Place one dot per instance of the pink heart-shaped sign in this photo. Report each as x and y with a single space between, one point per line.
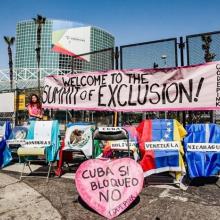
109 187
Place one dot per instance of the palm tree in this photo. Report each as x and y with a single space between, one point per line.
10 41
39 21
208 56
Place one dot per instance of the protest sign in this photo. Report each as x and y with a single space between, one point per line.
173 89
109 187
203 147
37 143
163 145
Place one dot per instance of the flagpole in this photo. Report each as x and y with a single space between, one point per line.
115 118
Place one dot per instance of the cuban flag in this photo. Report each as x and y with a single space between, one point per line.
202 162
5 154
161 160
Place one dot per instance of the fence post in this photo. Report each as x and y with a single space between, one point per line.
117 116
181 47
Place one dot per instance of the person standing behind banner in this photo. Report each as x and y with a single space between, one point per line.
34 108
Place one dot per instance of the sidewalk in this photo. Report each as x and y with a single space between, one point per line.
20 201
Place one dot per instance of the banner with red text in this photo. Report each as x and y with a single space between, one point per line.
174 89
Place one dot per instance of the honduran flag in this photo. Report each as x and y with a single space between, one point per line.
202 162
5 154
46 130
162 160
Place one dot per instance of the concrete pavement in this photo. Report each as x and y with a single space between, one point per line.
20 201
35 199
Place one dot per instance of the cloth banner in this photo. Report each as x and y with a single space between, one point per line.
202 149
173 89
161 159
5 154
78 136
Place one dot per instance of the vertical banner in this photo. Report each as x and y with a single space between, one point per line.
174 89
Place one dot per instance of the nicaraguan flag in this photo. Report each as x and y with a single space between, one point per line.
202 163
162 160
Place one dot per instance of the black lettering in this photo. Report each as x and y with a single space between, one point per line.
108 170
122 170
120 95
145 95
173 92
83 95
154 100
92 174
164 94
45 94
112 99
130 97
83 174
114 182
134 181
82 78
116 195
93 186
100 172
106 183
100 95
188 94
66 83
105 197
127 182
143 79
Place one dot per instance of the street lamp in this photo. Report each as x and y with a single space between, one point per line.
164 57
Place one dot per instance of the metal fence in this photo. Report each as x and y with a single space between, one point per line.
199 45
198 48
201 48
160 53
153 54
25 81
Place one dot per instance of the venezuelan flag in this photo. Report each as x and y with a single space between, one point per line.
156 161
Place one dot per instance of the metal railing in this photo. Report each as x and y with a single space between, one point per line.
26 78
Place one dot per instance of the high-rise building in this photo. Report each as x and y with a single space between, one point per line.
25 57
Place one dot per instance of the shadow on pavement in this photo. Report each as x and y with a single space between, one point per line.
201 181
132 205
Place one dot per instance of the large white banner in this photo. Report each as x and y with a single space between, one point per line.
7 102
173 89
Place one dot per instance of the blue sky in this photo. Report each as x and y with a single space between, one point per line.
130 21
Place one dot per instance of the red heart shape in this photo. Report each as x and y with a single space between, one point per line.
109 187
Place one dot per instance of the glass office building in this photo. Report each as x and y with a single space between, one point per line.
26 34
